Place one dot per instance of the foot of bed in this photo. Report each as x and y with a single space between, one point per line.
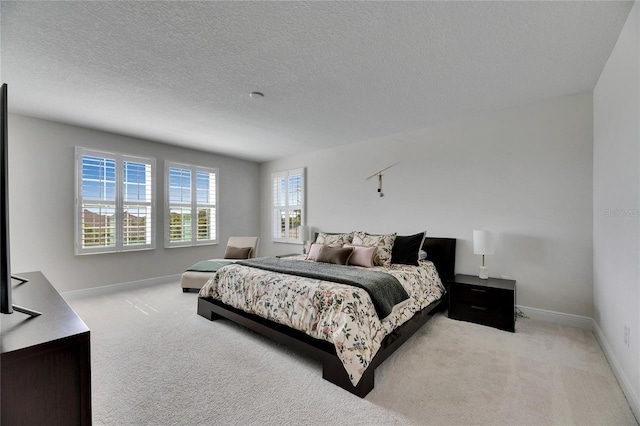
332 368
334 372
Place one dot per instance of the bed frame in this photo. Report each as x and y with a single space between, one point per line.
441 251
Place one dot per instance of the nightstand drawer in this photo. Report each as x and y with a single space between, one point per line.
484 296
499 318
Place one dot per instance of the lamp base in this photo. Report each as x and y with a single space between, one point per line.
484 274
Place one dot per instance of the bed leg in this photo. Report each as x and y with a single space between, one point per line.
334 372
205 311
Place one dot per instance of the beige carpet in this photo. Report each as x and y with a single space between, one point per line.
156 362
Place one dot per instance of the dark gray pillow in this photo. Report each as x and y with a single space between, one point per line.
337 255
237 252
405 249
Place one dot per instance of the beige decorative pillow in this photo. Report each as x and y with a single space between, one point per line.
314 250
237 252
384 243
337 255
324 238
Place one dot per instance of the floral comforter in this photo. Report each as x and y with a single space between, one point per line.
338 313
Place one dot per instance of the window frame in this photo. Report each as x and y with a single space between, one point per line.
287 206
193 204
119 203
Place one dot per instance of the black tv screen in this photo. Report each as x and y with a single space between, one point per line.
6 307
5 259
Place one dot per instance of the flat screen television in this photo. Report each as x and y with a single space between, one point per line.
6 307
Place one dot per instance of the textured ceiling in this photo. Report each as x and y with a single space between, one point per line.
332 72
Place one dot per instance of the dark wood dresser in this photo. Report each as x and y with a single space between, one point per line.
45 363
489 302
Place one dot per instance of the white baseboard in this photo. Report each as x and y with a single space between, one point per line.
560 318
113 288
623 379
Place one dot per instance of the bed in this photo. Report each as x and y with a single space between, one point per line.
348 358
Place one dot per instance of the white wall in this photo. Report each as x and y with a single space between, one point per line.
616 204
524 173
42 205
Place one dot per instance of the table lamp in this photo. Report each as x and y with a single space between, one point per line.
482 245
305 235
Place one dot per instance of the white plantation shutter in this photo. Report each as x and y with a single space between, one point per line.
114 202
137 198
191 205
279 206
206 196
179 214
287 205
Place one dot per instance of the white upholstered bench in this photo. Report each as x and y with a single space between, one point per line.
237 248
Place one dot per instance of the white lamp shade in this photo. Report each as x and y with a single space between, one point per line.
305 233
482 242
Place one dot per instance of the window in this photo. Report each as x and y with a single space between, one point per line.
288 205
114 202
191 192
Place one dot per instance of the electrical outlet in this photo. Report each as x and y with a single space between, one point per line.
626 335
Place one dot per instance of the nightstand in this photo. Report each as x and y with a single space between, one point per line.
489 302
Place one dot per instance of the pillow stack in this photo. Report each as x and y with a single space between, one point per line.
366 250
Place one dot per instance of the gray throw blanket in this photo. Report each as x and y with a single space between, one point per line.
384 289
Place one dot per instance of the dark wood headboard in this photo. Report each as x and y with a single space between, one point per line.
441 251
